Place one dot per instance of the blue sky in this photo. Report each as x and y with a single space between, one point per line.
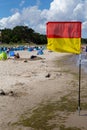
36 13
7 7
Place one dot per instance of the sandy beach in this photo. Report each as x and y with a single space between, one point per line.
42 93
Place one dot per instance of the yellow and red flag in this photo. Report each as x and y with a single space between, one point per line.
64 36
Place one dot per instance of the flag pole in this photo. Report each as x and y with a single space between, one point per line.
79 84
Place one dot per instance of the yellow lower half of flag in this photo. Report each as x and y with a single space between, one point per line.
67 45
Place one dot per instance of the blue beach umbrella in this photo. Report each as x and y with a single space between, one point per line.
40 52
11 53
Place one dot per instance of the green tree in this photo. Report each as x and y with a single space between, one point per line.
22 34
6 35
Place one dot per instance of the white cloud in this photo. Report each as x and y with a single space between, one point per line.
84 28
31 15
11 21
60 10
22 2
38 2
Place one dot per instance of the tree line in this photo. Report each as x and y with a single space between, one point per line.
24 34
84 40
21 34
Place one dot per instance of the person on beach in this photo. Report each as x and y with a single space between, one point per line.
17 56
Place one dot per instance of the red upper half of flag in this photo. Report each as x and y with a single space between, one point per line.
64 29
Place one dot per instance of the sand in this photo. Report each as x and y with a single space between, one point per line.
27 83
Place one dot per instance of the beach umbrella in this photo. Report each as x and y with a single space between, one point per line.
30 49
40 52
11 53
3 56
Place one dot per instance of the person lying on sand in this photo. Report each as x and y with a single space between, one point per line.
17 56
